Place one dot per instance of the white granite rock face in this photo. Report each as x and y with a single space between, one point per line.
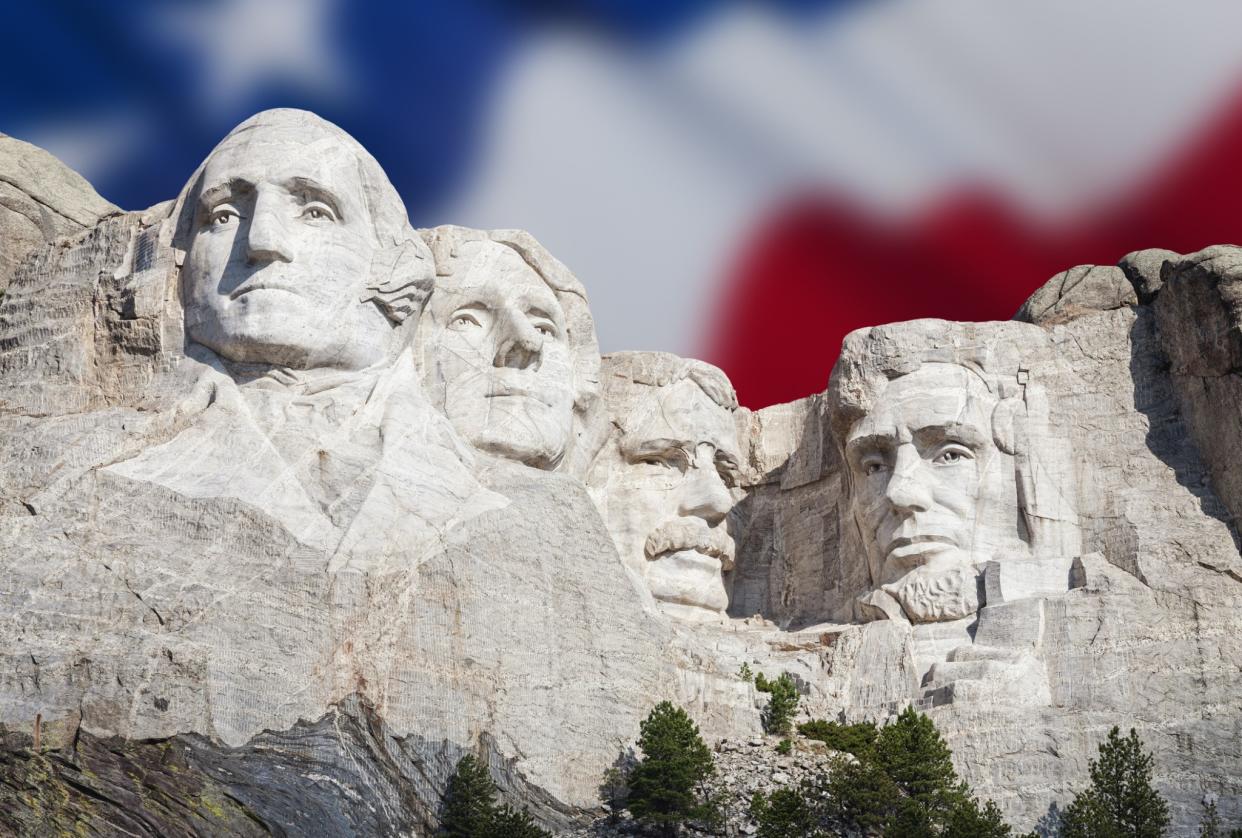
41 200
272 459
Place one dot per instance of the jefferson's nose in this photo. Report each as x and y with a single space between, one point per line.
704 493
268 240
518 344
907 488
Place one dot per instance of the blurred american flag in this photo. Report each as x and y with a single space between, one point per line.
741 182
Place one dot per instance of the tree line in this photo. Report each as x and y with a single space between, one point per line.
888 781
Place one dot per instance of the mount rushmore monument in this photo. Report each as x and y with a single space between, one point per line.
300 504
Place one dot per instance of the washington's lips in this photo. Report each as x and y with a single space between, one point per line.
258 284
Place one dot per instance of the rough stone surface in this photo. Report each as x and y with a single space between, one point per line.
271 559
1078 291
41 200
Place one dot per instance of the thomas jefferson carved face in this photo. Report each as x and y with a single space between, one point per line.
667 499
924 465
496 356
280 252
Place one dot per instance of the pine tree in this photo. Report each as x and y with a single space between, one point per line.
470 812
905 785
508 822
782 706
468 807
1120 802
920 764
1210 826
785 813
666 788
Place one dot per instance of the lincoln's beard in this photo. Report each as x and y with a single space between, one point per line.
931 596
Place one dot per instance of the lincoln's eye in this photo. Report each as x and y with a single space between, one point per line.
952 456
872 468
224 216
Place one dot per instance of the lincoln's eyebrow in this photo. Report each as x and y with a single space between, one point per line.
958 431
869 442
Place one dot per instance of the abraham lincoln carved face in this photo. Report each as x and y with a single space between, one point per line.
924 465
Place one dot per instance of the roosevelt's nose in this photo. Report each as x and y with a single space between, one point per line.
268 238
907 488
518 344
704 493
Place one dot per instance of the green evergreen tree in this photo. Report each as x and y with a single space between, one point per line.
905 785
785 813
468 808
511 823
1210 826
1120 802
778 715
470 811
667 787
857 739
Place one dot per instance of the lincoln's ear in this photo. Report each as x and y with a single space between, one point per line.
402 277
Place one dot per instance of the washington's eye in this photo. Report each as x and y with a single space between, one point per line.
655 461
318 211
223 216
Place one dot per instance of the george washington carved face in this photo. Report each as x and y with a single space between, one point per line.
280 244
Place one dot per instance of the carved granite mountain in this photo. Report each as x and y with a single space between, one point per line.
298 505
41 200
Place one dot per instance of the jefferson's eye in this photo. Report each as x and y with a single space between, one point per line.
543 327
464 321
224 216
318 211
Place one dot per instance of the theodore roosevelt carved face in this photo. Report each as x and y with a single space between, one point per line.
924 468
280 238
497 358
667 487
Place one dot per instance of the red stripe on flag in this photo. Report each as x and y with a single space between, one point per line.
819 269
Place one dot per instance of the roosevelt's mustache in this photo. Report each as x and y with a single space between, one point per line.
691 534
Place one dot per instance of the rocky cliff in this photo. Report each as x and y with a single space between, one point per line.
274 561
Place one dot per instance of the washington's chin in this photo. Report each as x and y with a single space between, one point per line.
688 584
282 335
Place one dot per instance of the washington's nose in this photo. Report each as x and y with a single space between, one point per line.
704 493
268 240
518 344
907 488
